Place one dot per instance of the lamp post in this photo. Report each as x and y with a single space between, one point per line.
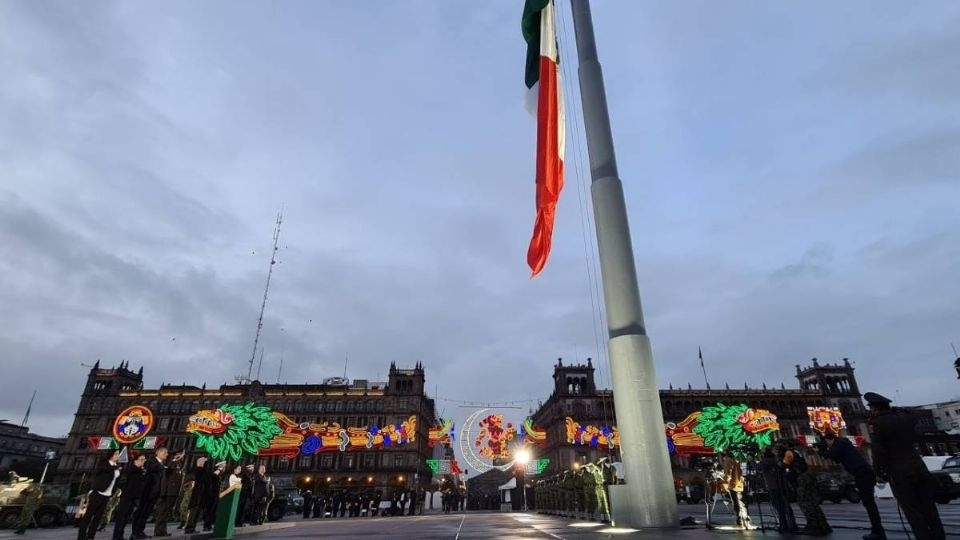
956 365
522 457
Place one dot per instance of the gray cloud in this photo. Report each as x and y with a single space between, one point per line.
144 152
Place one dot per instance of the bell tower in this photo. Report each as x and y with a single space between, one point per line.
573 380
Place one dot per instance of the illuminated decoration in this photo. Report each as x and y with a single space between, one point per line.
529 434
537 466
233 431
444 466
731 426
593 436
683 441
110 443
494 436
308 439
823 419
469 451
443 434
133 424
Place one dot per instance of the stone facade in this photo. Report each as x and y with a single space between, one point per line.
356 403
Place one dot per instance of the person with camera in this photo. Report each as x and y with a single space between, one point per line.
774 477
896 459
843 452
733 483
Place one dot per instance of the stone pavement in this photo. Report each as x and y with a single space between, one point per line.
849 522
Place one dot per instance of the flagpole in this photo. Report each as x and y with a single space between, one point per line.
647 499
704 368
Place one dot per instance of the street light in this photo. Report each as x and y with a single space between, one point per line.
956 365
522 457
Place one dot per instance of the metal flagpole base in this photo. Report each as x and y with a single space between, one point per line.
650 498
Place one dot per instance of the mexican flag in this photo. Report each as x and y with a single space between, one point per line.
543 81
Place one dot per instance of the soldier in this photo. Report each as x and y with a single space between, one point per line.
183 505
108 511
34 495
154 470
258 494
580 499
894 435
590 490
808 497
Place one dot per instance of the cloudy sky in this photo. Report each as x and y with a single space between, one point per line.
792 175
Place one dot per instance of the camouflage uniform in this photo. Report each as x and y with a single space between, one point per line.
183 507
33 496
809 500
590 489
108 510
580 499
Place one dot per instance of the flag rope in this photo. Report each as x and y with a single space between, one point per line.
591 259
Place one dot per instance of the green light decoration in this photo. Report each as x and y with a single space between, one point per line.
542 464
434 465
733 427
250 428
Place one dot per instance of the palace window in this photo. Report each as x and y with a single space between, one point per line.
349 461
326 461
369 461
399 460
306 462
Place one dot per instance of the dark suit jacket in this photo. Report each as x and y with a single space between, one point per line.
104 475
154 471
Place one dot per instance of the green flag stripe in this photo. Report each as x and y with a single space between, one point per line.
530 25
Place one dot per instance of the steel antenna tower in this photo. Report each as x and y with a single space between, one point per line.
266 289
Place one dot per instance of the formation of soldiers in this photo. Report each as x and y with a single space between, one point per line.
578 494
154 486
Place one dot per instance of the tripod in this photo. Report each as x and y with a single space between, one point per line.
754 482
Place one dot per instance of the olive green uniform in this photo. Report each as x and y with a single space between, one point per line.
33 496
808 497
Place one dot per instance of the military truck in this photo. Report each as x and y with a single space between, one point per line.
52 507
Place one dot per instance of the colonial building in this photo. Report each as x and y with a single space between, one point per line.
575 395
26 453
354 403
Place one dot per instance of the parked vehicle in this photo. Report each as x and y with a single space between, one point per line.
51 512
948 479
835 487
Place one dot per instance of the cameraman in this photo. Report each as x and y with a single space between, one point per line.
894 435
843 452
733 483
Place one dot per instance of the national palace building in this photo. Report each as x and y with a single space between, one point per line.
576 396
359 403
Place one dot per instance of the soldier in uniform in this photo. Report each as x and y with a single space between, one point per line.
590 490
183 505
108 511
34 495
895 458
580 501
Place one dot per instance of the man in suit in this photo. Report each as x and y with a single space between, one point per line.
169 491
102 484
135 480
154 472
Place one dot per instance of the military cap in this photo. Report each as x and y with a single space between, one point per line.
872 398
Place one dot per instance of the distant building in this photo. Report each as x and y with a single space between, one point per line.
25 452
350 404
946 416
575 395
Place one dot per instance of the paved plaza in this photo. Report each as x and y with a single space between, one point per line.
849 522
